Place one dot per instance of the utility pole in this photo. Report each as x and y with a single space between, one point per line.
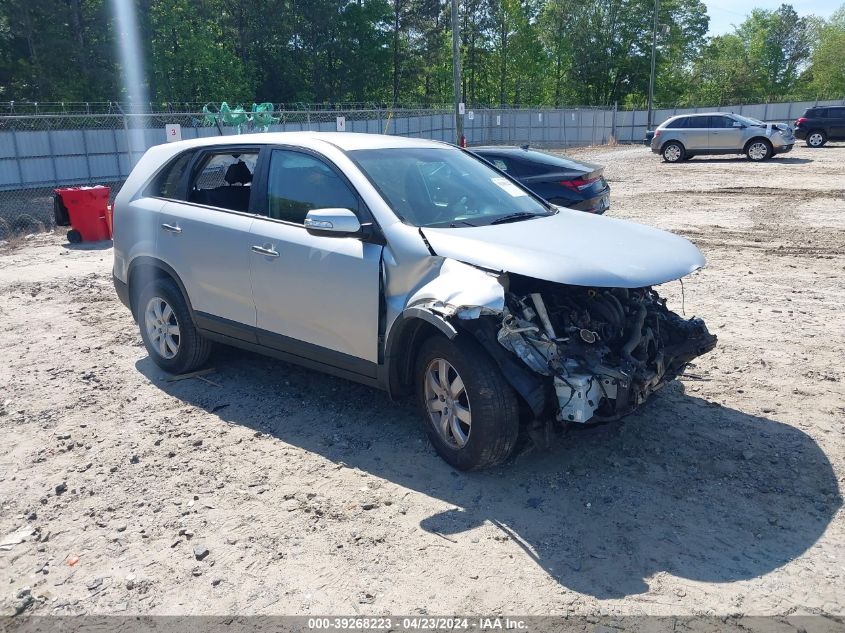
653 61
456 71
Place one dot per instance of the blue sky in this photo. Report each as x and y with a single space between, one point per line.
726 13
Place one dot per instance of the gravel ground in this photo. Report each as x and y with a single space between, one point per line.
264 488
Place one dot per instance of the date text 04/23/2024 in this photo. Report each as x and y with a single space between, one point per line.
417 623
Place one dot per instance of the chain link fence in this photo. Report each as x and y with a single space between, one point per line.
99 144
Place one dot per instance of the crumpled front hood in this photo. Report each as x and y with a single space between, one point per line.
572 247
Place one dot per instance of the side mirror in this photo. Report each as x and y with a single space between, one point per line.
332 223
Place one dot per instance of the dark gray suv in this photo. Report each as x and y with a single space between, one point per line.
687 135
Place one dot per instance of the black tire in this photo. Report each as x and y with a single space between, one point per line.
755 154
816 139
74 236
673 152
492 403
193 349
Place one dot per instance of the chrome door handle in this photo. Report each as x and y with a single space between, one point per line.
269 252
171 228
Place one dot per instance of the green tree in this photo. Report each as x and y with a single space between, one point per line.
778 48
827 65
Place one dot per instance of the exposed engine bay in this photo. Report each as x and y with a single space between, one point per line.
604 349
578 354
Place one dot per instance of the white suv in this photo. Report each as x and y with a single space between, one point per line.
404 264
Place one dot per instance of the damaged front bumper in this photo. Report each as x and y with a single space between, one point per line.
575 354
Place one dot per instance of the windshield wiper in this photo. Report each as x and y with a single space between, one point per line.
514 217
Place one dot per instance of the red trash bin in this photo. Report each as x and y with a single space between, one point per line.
86 208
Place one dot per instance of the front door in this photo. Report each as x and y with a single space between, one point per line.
316 297
723 135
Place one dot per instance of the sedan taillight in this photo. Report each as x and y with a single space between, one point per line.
579 183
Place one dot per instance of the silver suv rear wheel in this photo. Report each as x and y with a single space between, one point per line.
162 327
673 152
170 336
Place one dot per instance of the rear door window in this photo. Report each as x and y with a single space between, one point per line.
298 182
224 180
720 122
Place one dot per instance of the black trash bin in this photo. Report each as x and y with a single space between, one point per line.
60 211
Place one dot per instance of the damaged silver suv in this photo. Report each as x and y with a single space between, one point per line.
404 264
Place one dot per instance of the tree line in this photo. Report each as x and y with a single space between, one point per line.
514 52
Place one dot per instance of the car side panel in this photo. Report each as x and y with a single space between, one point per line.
210 252
323 291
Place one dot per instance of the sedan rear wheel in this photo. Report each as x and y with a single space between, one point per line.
673 152
816 139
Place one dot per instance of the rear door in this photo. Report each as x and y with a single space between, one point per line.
205 238
695 134
316 297
723 136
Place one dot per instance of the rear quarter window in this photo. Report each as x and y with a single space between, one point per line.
677 123
166 183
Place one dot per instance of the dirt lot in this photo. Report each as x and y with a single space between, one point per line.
302 493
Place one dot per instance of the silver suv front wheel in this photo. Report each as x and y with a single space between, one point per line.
758 150
471 412
447 403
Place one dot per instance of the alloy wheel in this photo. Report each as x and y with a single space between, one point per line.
447 403
758 151
162 327
815 140
672 153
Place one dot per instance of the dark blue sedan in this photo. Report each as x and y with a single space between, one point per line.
561 181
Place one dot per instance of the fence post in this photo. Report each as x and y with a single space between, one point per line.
128 144
87 156
52 153
18 157
613 120
529 126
